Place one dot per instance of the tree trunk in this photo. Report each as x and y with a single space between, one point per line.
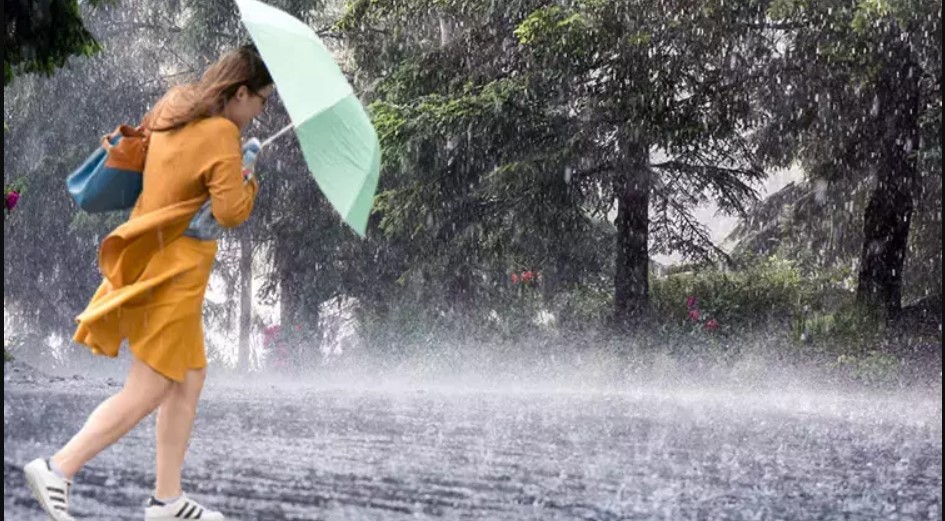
246 297
888 214
298 305
288 298
631 282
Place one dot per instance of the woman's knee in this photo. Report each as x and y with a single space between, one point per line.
193 381
146 386
197 375
187 392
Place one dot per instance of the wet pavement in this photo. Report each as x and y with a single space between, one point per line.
297 453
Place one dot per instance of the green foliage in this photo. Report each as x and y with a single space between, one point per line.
849 328
41 36
552 29
874 367
765 293
583 308
832 64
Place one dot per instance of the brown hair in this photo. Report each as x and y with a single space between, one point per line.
189 102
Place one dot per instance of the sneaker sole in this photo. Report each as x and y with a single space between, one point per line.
35 488
175 518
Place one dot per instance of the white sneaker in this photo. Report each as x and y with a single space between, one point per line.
183 508
50 490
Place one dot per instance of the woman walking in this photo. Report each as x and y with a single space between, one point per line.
156 268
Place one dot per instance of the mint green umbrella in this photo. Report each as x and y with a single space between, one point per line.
337 139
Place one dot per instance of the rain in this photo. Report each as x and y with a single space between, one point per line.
625 260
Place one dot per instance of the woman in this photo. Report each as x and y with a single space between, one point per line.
156 268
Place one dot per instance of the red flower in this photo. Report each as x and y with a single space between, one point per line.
694 315
527 276
12 198
515 278
692 302
712 325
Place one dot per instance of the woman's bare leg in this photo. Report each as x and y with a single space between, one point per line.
144 390
175 420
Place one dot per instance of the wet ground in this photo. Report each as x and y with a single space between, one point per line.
294 453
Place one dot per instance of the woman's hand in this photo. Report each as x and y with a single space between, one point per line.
251 149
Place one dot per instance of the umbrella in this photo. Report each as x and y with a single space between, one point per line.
337 139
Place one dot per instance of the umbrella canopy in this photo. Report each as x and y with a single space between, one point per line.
338 141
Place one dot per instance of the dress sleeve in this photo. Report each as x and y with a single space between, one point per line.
231 198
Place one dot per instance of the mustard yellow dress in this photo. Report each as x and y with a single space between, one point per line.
154 276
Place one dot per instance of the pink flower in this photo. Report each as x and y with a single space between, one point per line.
270 335
694 315
12 198
692 302
712 325
515 278
527 276
272 330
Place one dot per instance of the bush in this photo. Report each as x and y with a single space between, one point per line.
847 327
765 293
872 367
583 308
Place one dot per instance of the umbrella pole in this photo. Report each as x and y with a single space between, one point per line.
276 135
